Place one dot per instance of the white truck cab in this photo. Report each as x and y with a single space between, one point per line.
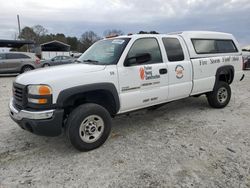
123 74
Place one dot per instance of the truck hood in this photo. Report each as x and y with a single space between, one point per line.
62 72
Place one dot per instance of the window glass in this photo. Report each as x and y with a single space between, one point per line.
173 49
204 46
57 58
16 56
23 56
208 46
2 56
105 52
146 45
226 46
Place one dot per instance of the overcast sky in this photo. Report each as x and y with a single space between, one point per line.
74 17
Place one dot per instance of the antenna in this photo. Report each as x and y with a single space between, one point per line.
19 27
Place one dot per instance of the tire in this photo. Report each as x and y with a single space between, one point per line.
88 126
247 65
220 96
46 65
27 68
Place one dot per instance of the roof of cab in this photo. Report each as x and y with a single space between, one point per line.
205 34
185 34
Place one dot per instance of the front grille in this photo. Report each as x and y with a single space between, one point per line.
19 95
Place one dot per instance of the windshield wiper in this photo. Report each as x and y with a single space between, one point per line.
94 62
90 61
77 61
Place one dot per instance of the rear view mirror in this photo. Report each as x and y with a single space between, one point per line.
138 59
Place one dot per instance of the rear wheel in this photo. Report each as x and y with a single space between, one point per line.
88 126
220 96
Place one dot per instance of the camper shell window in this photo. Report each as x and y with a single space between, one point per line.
212 46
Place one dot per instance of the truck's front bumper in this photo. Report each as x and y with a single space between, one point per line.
45 123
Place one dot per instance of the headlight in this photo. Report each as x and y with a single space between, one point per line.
39 94
39 90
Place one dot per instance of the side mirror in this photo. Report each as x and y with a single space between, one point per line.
138 59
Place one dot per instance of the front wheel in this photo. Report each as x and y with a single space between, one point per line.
88 126
220 96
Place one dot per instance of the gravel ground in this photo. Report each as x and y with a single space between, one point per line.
182 144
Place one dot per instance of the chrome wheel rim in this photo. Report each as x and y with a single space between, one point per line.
91 128
46 65
222 95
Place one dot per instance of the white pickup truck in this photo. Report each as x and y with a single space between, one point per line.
123 74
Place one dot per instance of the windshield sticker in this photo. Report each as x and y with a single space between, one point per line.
118 41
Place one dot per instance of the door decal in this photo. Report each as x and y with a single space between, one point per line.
179 70
142 73
146 73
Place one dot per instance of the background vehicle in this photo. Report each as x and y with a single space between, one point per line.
246 60
58 60
123 74
18 62
75 55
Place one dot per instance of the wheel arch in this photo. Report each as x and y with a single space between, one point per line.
26 65
104 94
225 73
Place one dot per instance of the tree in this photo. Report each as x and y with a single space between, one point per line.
28 33
87 39
73 42
112 32
145 32
46 38
40 30
60 37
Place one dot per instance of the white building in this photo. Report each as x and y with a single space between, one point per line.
54 48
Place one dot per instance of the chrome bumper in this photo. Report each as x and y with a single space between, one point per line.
21 114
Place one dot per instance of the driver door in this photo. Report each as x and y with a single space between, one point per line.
145 83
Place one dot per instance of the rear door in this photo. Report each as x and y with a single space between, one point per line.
146 83
179 67
57 60
66 60
13 62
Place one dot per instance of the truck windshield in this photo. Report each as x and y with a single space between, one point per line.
104 52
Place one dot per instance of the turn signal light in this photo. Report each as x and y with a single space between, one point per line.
44 90
38 101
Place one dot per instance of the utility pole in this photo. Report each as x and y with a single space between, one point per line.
19 27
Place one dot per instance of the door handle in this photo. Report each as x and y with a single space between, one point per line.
163 71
